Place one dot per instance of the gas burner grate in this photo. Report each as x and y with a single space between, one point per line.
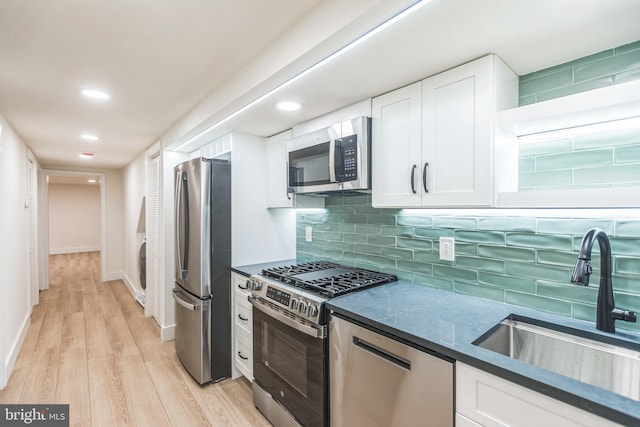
348 280
292 270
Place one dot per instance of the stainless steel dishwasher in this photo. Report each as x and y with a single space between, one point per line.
378 381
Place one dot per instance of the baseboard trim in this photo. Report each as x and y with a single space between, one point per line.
74 250
113 275
130 287
168 333
15 350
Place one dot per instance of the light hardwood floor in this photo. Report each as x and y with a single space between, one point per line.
90 345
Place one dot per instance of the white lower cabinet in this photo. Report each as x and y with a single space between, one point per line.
462 421
482 399
242 328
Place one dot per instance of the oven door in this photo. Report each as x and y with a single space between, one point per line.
289 364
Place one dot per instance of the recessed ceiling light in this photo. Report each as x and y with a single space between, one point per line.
91 181
288 106
86 155
96 94
89 137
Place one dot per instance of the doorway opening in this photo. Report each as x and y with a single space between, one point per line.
72 216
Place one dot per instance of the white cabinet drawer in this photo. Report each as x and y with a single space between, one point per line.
243 319
242 298
242 326
243 359
240 282
462 421
494 402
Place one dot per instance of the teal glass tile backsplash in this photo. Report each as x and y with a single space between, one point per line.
601 69
523 260
599 159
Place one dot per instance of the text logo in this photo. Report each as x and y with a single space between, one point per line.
34 415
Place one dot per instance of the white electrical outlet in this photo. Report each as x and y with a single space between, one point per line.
447 249
308 233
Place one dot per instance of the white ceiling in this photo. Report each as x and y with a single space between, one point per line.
159 60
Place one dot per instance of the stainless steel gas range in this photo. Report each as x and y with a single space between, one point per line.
290 351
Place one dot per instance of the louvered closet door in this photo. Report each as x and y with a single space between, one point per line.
155 244
33 279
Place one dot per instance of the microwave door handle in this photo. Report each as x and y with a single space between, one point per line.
288 189
332 160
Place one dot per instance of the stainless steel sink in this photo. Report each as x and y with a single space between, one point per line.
613 366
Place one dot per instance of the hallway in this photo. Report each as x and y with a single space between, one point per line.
90 345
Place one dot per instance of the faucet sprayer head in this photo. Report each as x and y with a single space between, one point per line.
581 272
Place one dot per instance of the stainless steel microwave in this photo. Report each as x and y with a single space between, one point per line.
336 158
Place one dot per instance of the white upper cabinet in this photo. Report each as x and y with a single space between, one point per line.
435 142
277 171
396 132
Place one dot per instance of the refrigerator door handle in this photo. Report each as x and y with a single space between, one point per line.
181 302
182 225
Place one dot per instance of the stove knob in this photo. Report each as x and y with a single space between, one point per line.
294 304
312 310
302 307
255 285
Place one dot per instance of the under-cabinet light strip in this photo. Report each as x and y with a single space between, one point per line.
386 24
609 126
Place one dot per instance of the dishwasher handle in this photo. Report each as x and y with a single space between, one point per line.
381 352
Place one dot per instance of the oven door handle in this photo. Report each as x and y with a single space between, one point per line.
306 329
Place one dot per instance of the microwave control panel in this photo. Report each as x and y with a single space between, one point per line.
347 159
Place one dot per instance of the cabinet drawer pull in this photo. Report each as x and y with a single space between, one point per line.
241 356
246 285
424 178
244 319
413 178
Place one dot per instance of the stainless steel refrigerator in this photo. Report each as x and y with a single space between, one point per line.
203 268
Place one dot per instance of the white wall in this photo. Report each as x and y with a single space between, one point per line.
114 224
134 190
15 295
74 218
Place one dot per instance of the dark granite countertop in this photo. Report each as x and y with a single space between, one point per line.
448 323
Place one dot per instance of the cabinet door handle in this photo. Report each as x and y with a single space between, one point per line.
424 178
242 357
246 285
413 178
244 319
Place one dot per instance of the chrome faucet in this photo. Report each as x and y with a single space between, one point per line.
606 312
